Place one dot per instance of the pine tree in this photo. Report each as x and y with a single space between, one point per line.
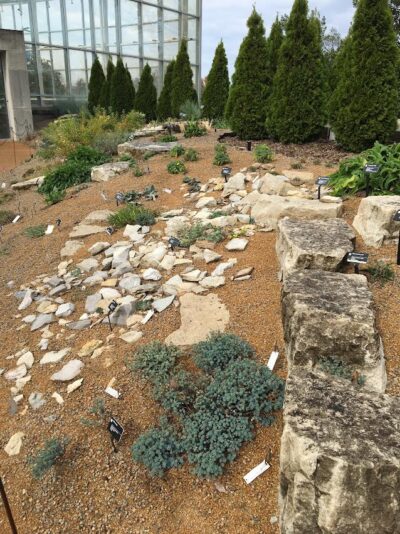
119 90
96 82
104 100
216 91
296 106
146 96
246 104
365 103
182 81
274 43
130 88
164 108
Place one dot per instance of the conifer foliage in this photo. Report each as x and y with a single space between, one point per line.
146 96
104 101
365 103
130 90
96 82
296 107
182 81
164 107
274 43
120 93
246 105
216 92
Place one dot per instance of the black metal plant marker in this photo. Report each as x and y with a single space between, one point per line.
321 181
368 170
357 259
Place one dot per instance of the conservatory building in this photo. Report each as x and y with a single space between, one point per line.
62 37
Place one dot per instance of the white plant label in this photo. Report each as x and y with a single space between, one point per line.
112 392
272 360
16 219
256 472
49 229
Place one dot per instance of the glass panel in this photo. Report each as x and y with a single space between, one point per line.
150 31
31 65
173 4
192 7
78 82
171 50
76 38
132 50
74 14
55 15
42 22
7 18
76 59
149 14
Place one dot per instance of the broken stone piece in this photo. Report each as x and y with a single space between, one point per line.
69 371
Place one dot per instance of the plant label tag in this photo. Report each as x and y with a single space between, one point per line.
148 316
115 429
49 229
16 219
226 171
357 257
372 169
256 472
112 392
272 360
397 216
322 180
168 191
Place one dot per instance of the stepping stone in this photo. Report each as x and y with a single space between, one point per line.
330 316
69 371
339 458
239 243
374 220
320 245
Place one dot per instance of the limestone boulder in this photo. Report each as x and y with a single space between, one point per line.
132 147
317 244
108 171
340 467
299 177
175 225
272 184
374 220
237 182
269 209
330 316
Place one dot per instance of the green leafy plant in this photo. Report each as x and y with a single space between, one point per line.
143 305
132 215
193 129
193 184
340 369
87 155
149 154
221 156
188 235
128 159
179 393
219 350
263 154
190 110
381 272
176 167
138 172
155 361
216 214
177 151
215 235
54 196
191 155
35 231
168 138
6 216
47 457
297 165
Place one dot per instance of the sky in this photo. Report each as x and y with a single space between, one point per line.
226 20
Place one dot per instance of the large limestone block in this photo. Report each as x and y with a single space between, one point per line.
235 183
132 147
322 245
340 463
374 220
269 209
331 316
299 177
272 184
107 171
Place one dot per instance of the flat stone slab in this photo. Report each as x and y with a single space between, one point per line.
199 317
330 316
269 209
84 230
130 147
374 220
321 245
27 184
340 463
108 171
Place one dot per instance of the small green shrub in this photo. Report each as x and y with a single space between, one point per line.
129 159
216 214
297 165
66 175
193 129
177 151
5 196
6 216
143 305
54 196
155 361
47 457
35 231
131 214
108 142
215 235
188 235
219 350
179 393
138 172
193 184
88 156
168 138
263 154
191 155
381 272
190 110
176 167
159 449
221 124
149 154
221 156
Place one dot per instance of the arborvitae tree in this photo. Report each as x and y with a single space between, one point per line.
96 82
365 102
119 92
104 101
274 43
164 109
246 104
216 91
296 106
182 81
146 96
130 88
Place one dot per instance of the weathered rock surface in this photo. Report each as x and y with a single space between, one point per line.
84 230
331 315
27 184
69 371
374 220
235 183
271 184
269 209
107 171
70 248
131 147
340 466
315 244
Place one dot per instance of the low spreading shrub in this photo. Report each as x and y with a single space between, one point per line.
155 361
263 154
55 196
6 216
149 154
176 167
131 214
189 234
179 393
381 272
221 156
167 138
87 155
108 142
194 129
35 231
219 350
177 151
47 457
66 175
191 155
340 369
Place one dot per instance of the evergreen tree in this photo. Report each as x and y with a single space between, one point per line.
365 103
130 90
296 106
119 91
96 82
274 43
164 108
146 96
246 105
216 91
104 101
182 81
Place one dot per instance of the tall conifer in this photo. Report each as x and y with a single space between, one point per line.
96 82
274 43
164 108
146 96
119 90
104 101
182 81
216 91
130 90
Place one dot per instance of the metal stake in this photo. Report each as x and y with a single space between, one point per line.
398 252
7 508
